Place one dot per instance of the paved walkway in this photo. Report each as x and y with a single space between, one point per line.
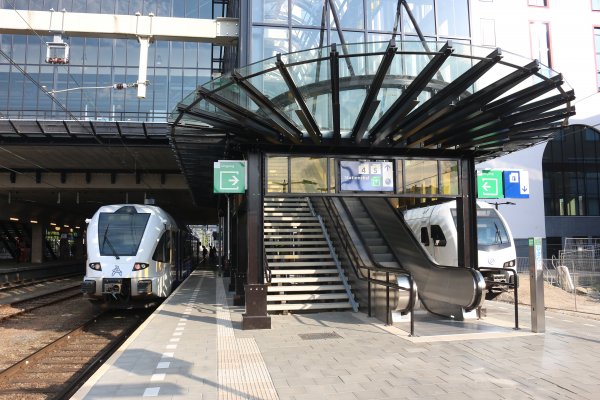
193 348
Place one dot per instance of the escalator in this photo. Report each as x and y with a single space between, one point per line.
444 290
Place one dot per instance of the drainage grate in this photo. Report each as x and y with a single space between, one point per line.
317 336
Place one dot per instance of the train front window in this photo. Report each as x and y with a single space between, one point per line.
121 234
490 229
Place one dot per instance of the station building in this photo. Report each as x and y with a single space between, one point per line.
51 103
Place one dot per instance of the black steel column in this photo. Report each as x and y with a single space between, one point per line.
255 291
466 208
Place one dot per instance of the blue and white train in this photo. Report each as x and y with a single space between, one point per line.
436 228
135 253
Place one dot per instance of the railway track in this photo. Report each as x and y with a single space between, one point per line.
58 369
23 306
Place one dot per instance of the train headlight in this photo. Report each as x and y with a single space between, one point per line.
140 266
509 264
95 266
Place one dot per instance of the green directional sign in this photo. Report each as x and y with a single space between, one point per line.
229 176
489 184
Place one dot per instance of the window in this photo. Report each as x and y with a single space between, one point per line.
163 248
488 32
438 237
424 236
597 45
595 5
540 42
538 3
571 171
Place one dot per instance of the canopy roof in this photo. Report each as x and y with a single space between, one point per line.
406 98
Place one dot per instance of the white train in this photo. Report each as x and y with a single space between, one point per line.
134 252
435 227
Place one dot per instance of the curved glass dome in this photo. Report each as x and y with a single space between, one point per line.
411 94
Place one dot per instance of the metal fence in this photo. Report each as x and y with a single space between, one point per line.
573 280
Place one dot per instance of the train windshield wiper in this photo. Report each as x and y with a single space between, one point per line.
498 235
109 243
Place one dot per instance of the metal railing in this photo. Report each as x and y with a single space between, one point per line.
573 283
333 253
357 265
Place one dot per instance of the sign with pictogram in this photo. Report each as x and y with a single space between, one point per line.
489 184
229 176
516 184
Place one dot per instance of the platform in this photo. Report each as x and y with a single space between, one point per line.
193 347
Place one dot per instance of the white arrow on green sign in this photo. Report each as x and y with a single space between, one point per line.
489 184
229 176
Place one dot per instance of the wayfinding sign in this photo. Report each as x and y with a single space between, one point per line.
367 175
489 184
516 184
229 176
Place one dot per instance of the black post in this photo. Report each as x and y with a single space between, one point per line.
256 316
466 209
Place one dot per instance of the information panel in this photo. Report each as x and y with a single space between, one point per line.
367 176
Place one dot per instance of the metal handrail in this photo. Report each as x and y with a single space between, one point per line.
338 265
266 268
357 264
514 286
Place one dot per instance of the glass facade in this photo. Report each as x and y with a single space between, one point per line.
283 26
174 68
572 173
424 178
597 47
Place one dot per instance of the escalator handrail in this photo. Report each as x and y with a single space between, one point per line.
356 260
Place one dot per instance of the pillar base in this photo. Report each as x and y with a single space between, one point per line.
256 316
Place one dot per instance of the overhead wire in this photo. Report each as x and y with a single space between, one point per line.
60 105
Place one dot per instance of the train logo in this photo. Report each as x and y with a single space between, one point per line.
117 270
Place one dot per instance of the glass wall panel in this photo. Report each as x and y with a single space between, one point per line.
423 12
268 42
399 174
596 5
449 177
277 175
308 174
453 18
381 14
307 13
421 176
332 175
271 11
350 14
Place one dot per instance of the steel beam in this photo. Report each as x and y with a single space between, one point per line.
223 31
305 116
370 103
408 99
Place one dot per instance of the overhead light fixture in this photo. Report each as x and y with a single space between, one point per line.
52 223
33 221
77 227
14 219
66 226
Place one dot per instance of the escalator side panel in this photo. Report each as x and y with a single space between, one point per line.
445 284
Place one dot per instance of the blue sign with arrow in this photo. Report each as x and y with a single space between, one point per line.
516 184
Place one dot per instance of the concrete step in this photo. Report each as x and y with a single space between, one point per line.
294 224
297 244
302 249
307 296
300 256
290 264
299 238
304 288
308 306
383 257
391 264
311 271
299 229
307 279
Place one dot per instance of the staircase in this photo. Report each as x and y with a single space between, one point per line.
303 271
381 252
